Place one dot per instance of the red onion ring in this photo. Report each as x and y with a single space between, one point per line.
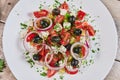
27 46
75 55
45 29
54 68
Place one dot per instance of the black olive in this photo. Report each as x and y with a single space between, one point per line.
57 64
37 39
68 46
56 11
77 32
74 62
44 23
55 39
71 19
37 57
77 50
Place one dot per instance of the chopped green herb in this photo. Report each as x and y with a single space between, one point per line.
2 65
91 61
26 53
84 62
31 62
93 51
80 7
43 74
61 77
92 21
55 79
93 38
98 49
57 2
41 6
23 26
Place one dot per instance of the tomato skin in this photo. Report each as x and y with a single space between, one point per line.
30 37
64 6
83 50
81 15
67 53
71 72
50 73
91 30
77 38
65 38
78 24
59 19
41 13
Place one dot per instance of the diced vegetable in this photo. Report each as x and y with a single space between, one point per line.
67 25
81 15
58 27
40 13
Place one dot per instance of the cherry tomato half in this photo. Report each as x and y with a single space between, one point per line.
41 13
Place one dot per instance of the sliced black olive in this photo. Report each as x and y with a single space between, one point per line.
37 39
68 46
44 23
77 32
74 62
56 11
55 39
57 64
37 57
77 50
71 19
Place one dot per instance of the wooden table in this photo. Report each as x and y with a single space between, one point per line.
112 5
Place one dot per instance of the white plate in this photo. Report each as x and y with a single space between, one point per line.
103 61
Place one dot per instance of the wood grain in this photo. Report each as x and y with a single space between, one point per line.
115 72
6 74
114 8
6 6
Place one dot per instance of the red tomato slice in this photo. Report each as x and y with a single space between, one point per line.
78 24
41 13
54 60
50 73
83 50
67 53
81 15
71 72
91 30
64 6
59 19
77 38
65 38
42 52
30 37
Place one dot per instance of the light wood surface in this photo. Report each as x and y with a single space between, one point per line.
112 5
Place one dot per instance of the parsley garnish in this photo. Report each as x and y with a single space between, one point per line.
43 74
23 26
2 65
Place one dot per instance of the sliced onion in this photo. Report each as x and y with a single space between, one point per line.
87 42
28 47
54 68
43 29
69 67
76 56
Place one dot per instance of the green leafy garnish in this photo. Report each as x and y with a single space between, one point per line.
23 26
43 74
2 65
93 51
31 62
61 77
41 6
